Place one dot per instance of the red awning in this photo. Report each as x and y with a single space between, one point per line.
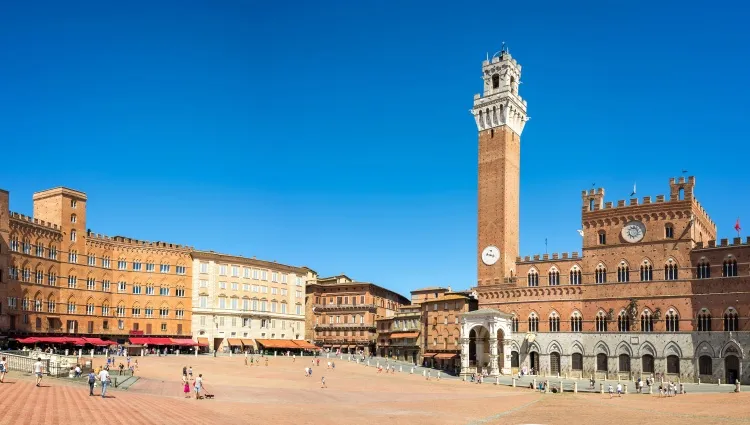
30 340
78 341
160 341
96 342
184 342
139 340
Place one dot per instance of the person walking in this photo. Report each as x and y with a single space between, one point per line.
198 385
105 380
92 382
3 369
38 367
190 372
185 386
323 382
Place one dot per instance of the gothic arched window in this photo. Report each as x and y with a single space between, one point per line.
647 321
623 272
731 320
554 277
647 271
601 273
601 322
730 267
672 321
704 321
703 269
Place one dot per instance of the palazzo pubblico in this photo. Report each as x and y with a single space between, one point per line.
652 292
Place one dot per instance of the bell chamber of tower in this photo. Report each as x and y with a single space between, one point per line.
500 115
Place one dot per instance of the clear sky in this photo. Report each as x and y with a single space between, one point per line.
337 135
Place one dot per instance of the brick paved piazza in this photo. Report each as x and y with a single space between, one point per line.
280 394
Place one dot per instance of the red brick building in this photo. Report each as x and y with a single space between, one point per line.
651 290
341 313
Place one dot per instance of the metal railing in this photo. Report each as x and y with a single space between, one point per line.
23 361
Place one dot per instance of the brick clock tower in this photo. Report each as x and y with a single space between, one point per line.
500 114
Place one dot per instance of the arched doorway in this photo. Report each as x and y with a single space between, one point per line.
647 363
624 363
554 363
601 363
534 362
514 359
479 347
732 368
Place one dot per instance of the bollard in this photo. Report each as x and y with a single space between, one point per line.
546 386
66 351
699 381
561 387
682 388
514 382
497 380
411 372
196 351
626 388
719 382
534 383
566 375
177 353
230 353
400 368
737 387
438 375
424 372
575 387
650 389
601 388
368 362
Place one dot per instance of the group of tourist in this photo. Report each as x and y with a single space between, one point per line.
187 378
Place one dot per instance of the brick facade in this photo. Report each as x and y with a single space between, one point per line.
641 286
341 313
59 278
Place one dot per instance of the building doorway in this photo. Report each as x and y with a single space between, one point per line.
647 363
534 362
732 367
554 363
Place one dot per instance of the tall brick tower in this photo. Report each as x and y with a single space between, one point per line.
500 114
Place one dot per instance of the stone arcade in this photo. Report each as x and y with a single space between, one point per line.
485 342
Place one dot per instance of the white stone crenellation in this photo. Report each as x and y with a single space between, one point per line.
500 104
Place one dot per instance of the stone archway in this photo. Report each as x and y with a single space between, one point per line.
485 342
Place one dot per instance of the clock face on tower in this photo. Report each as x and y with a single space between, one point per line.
490 255
634 231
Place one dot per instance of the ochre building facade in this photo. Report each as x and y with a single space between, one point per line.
341 313
246 304
651 291
60 278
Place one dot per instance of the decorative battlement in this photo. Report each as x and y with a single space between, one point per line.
541 258
500 103
135 242
681 189
723 243
32 220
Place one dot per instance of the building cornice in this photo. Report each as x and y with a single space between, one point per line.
245 261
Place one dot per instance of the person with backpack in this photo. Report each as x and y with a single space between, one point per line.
92 382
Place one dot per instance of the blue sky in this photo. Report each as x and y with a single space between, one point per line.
337 135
